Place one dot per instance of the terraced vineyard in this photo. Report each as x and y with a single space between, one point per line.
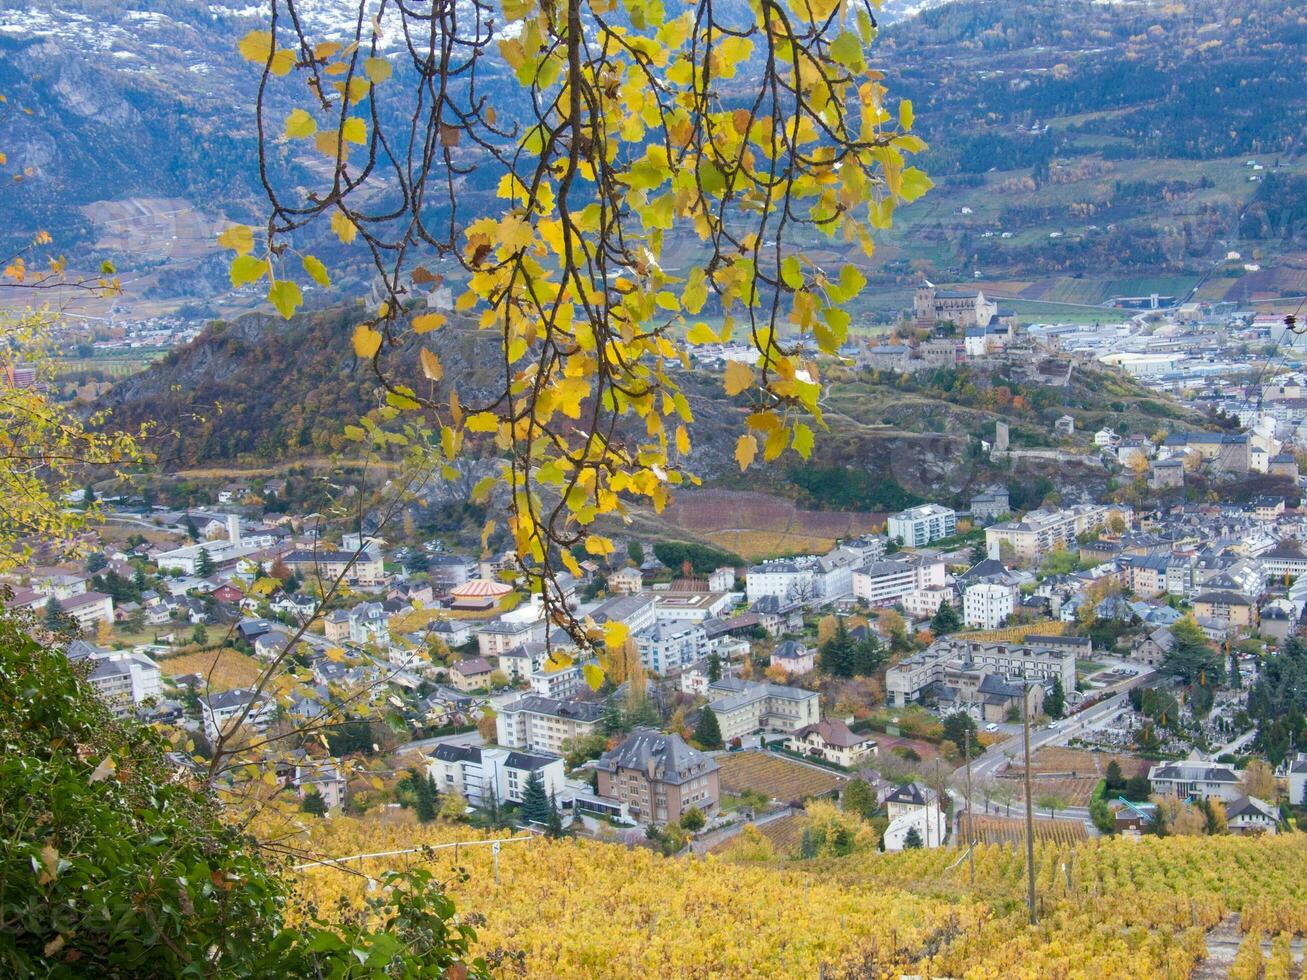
778 778
1003 830
1107 908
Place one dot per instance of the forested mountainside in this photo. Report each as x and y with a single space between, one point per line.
1083 105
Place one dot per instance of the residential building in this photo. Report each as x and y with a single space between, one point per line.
219 711
786 579
325 777
987 606
498 636
924 603
744 707
470 674
123 680
312 566
833 741
543 724
1232 609
671 645
1249 815
557 680
519 662
913 806
1154 647
625 581
990 505
916 527
1195 778
658 777
638 612
1038 658
885 583
1041 531
794 657
481 775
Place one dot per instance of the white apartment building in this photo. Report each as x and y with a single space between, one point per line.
124 680
916 527
541 724
493 773
219 711
560 683
744 707
924 603
885 583
784 578
672 645
835 573
987 605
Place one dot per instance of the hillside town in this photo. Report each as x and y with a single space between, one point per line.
1131 641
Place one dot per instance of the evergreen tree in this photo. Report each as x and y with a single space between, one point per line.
424 797
1055 703
707 732
88 496
912 840
54 615
959 728
612 722
554 825
1233 678
192 531
868 655
96 562
945 620
836 655
979 552
138 579
204 564
714 667
535 802
858 798
1114 779
314 803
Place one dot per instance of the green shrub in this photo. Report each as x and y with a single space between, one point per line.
115 863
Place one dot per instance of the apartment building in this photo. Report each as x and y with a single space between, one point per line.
986 605
1042 531
916 527
885 583
122 679
657 777
785 578
744 707
1040 658
542 724
312 565
484 774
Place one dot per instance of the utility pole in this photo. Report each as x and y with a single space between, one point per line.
971 829
1030 813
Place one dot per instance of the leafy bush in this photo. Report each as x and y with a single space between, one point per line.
115 863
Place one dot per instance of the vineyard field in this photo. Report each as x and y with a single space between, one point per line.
224 669
779 778
1107 907
1002 830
